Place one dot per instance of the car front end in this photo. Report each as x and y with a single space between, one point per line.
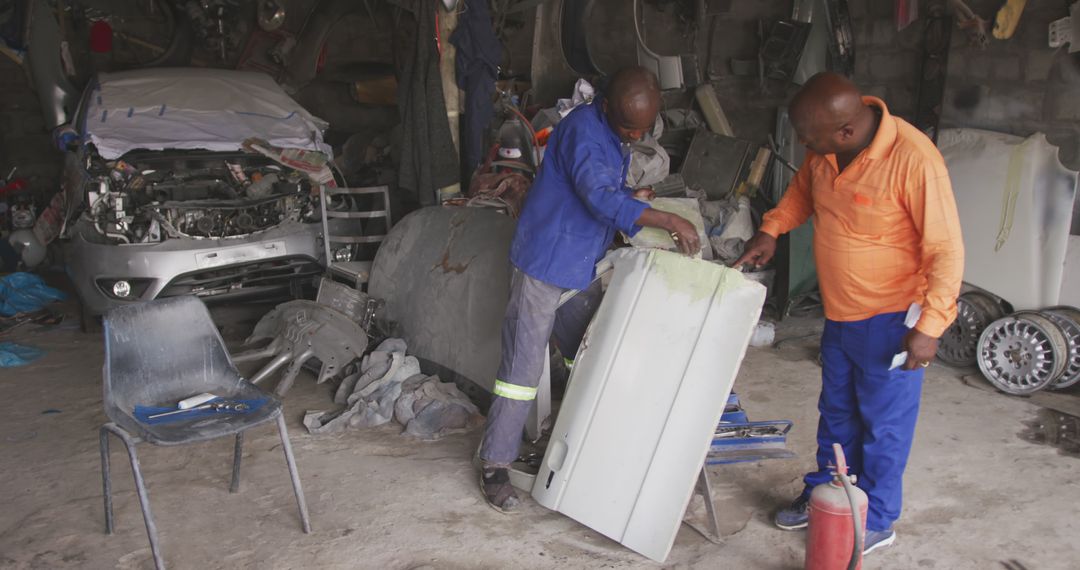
165 197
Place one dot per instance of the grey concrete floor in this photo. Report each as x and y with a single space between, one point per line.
977 494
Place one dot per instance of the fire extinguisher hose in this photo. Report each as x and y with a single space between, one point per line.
849 489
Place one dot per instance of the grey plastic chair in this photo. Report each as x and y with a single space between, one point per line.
156 354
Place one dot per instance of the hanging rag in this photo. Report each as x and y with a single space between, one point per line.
476 67
428 157
649 162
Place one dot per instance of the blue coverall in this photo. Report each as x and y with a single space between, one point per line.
575 206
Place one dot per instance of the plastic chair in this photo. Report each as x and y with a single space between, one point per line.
156 354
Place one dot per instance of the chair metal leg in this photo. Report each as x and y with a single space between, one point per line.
293 474
140 488
238 451
106 480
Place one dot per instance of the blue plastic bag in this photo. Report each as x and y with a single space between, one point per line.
25 293
12 355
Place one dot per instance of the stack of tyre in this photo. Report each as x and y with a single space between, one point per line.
1020 353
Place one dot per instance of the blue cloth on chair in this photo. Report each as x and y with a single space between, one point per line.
868 409
143 413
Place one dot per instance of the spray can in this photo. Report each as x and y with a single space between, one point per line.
831 536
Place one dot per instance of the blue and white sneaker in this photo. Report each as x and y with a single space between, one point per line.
876 539
796 516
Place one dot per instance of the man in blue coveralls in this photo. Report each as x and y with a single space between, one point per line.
575 206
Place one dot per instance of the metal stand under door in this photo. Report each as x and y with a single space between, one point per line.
704 488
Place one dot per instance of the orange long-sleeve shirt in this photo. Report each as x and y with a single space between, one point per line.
886 232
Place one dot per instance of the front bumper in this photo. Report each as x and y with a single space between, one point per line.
263 264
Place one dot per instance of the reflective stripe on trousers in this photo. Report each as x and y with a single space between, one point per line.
530 316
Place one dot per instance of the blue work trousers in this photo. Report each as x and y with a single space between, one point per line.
868 409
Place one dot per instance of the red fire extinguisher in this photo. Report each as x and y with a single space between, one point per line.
834 537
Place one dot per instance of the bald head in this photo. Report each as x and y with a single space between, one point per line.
829 115
632 102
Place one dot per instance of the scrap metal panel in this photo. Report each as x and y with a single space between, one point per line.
1015 201
648 387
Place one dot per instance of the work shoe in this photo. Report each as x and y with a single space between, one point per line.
497 490
876 539
795 516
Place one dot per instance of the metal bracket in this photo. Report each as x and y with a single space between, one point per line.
668 68
704 488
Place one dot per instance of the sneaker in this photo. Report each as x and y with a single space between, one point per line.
795 516
876 539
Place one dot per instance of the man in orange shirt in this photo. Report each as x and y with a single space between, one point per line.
886 236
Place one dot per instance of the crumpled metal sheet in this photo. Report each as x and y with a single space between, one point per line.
301 330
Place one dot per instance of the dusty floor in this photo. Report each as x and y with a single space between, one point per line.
977 494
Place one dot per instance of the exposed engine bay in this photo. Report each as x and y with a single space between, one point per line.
150 196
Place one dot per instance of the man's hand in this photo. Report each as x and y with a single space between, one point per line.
683 233
646 194
759 250
921 349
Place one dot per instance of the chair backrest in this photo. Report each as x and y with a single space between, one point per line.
163 351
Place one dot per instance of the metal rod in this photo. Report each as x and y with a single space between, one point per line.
290 374
325 227
144 498
256 354
710 508
106 481
238 451
293 474
271 367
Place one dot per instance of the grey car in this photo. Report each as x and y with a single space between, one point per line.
162 200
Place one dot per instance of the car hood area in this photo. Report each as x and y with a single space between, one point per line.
182 108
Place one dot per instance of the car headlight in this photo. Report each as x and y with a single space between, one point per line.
342 254
121 289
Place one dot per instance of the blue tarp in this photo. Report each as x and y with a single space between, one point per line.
12 355
25 293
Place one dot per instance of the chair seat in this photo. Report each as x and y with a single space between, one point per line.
204 427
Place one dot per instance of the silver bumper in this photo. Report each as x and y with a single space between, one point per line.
227 268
